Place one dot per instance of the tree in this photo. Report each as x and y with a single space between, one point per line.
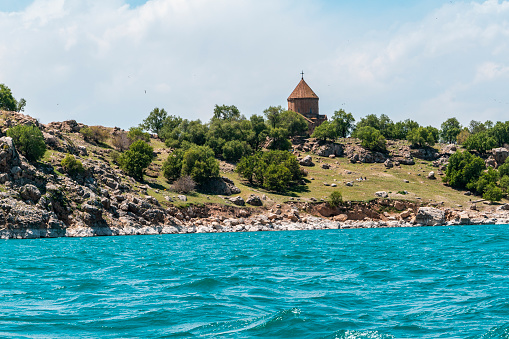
342 123
136 159
500 132
490 177
294 123
169 124
172 166
234 150
7 101
464 168
493 193
463 136
279 139
199 163
20 107
477 126
371 138
273 170
136 133
481 141
450 130
326 130
335 199
95 134
155 120
401 129
225 112
273 115
258 133
28 140
420 137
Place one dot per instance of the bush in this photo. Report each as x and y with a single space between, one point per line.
276 178
371 138
135 160
121 141
184 184
420 137
464 168
71 165
335 199
96 134
486 179
136 133
172 166
28 140
504 183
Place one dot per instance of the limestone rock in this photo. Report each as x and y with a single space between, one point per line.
381 194
325 166
254 200
182 197
430 216
431 175
500 155
238 201
388 163
30 192
306 161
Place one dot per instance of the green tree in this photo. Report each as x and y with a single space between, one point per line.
273 115
335 199
234 150
136 133
503 169
294 123
258 133
326 130
463 136
7 101
225 112
172 166
136 159
464 168
450 130
155 120
500 132
28 140
490 177
343 123
169 124
401 129
20 107
481 141
493 193
504 183
273 170
420 137
279 139
199 163
371 138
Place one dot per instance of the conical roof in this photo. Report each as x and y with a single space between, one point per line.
302 91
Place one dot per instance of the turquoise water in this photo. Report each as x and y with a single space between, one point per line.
434 282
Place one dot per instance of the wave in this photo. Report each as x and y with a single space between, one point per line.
499 332
359 335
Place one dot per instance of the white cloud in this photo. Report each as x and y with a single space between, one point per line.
93 60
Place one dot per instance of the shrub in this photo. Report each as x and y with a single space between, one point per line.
172 166
28 140
335 199
420 137
136 133
276 178
94 133
371 138
184 184
135 160
504 183
71 165
121 141
486 179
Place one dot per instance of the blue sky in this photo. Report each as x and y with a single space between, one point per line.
110 62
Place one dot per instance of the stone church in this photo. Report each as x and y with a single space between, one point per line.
304 101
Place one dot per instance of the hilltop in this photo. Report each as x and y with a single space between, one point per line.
38 199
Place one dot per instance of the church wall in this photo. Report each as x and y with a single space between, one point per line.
303 106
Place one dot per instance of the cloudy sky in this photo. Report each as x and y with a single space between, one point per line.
110 62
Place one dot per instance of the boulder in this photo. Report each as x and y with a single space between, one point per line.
325 166
430 216
30 192
388 163
182 197
500 155
431 175
306 161
381 194
254 200
449 149
237 201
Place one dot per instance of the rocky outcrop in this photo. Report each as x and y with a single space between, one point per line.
306 161
429 216
499 155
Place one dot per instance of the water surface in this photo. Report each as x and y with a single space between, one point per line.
434 282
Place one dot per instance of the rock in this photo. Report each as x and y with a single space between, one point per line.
306 161
430 216
500 155
237 201
182 197
30 192
406 214
491 162
328 150
381 194
325 166
332 156
340 217
504 207
467 193
399 205
473 207
349 183
431 175
221 186
449 149
388 163
254 200
406 181
333 185
168 198
326 184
